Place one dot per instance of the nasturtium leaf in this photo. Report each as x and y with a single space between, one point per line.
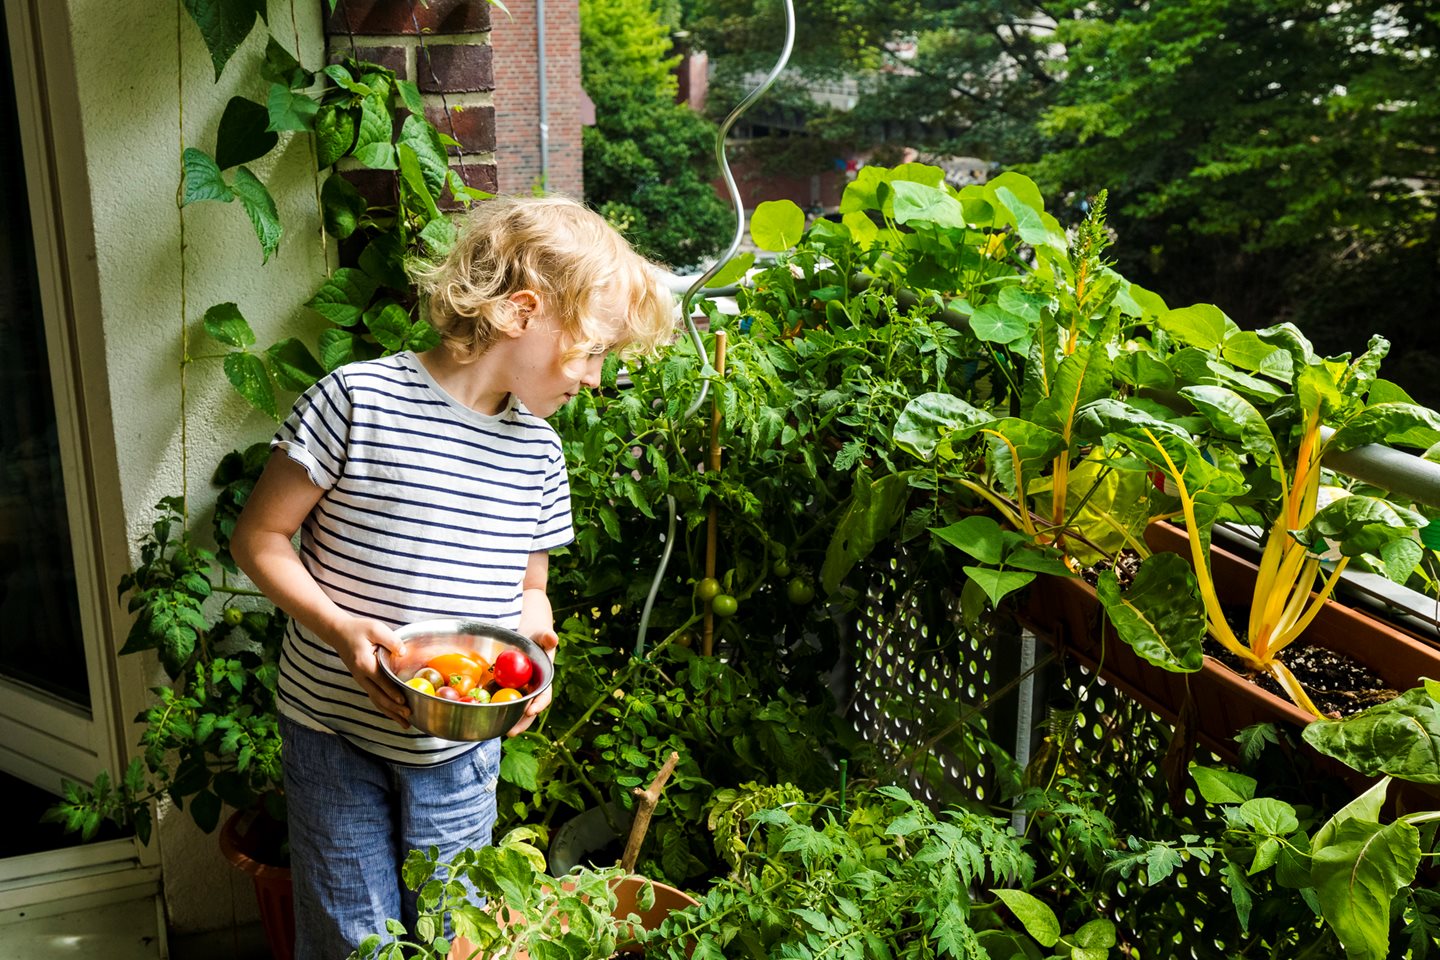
1357 875
993 324
1161 615
1022 191
733 270
335 126
929 418
224 24
389 323
202 179
292 365
243 135
777 225
1399 738
343 296
260 207
1022 303
1038 919
247 374
342 206
1222 786
1393 424
918 202
225 323
862 229
979 536
1234 417
289 109
1202 325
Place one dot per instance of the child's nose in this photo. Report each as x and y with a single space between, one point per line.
591 376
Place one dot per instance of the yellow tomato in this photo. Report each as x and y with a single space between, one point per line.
421 684
505 695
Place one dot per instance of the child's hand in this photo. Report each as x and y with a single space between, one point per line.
355 639
547 641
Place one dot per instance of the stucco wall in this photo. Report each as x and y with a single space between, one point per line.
135 63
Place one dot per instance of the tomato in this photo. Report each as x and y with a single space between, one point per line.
707 589
421 684
799 591
234 616
476 670
513 669
480 695
504 695
448 693
461 683
781 568
724 605
430 676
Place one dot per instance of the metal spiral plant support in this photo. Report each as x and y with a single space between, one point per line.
707 370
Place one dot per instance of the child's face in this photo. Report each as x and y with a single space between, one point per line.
545 376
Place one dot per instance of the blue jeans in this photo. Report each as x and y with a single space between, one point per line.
354 817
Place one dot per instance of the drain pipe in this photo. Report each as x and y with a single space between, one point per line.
544 100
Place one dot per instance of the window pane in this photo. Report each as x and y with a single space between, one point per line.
40 640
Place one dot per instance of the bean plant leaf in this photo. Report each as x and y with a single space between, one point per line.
1222 786
439 237
288 109
1359 524
342 206
421 136
389 323
280 66
247 374
1037 918
225 323
1161 615
1393 424
343 296
202 179
998 584
260 207
929 418
1357 874
1399 738
335 127
410 96
243 134
1268 815
224 24
875 508
337 348
1092 941
413 179
777 225
980 537
384 259
292 365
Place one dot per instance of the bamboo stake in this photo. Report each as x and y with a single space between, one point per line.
712 527
645 808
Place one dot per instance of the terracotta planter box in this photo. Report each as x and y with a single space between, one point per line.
1068 611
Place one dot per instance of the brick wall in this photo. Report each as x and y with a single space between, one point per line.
517 103
444 46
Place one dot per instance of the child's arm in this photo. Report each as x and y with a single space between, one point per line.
280 502
537 622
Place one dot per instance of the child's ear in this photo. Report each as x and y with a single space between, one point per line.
527 304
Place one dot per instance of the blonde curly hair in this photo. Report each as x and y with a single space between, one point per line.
564 252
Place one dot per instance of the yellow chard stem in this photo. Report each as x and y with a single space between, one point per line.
1290 685
1060 484
1289 636
994 501
1024 511
1270 559
1273 594
1299 593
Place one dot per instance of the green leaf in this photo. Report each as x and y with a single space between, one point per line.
874 510
205 809
1093 941
1399 738
1203 325
1402 556
421 136
260 207
1161 615
439 237
1357 874
992 324
1037 918
998 584
919 202
414 181
224 24
929 418
202 179
384 259
376 156
224 322
342 206
1359 524
1082 377
979 536
343 296
287 109
1234 417
1268 815
777 225
389 323
1393 424
247 373
1031 222
410 96
335 127
1367 806
1222 786
281 67
733 270
243 135
292 365
341 75
1248 352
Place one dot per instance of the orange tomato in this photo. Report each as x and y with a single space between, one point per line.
504 695
462 671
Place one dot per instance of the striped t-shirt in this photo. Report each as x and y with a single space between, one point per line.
430 509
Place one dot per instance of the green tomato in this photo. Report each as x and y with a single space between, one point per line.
707 589
781 568
800 591
234 616
724 605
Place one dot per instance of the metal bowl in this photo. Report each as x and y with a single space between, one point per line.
452 719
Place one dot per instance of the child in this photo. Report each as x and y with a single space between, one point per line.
427 485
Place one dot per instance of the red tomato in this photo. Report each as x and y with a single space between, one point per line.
448 693
513 669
